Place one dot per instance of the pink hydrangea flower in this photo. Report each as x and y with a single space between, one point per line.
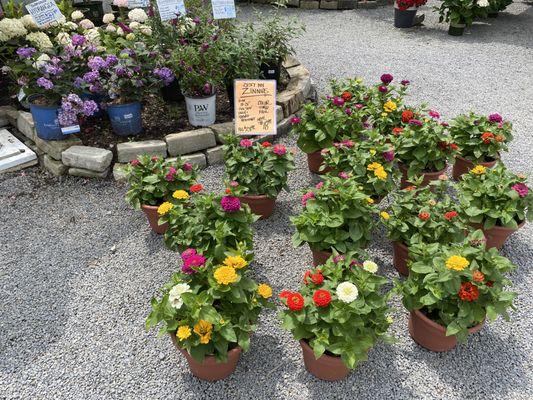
230 204
279 149
246 143
307 196
521 189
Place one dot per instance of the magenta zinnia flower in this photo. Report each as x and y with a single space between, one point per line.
193 260
246 143
383 89
415 122
319 185
434 114
338 101
230 203
521 189
187 253
386 78
388 155
343 175
307 196
187 166
495 118
295 120
405 82
279 150
359 106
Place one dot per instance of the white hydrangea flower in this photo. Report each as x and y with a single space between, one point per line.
77 15
483 3
370 266
28 22
137 14
174 296
110 28
11 28
40 40
108 18
41 61
120 32
146 30
130 36
135 25
63 38
93 36
347 292
86 24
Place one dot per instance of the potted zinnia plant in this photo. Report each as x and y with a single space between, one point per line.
480 140
154 181
405 12
213 224
256 172
426 214
452 289
423 147
496 201
337 216
338 315
210 308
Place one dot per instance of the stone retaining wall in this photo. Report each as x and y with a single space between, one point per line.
330 4
199 146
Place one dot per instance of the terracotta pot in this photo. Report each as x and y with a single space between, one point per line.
314 161
497 235
210 369
462 166
400 257
328 368
431 335
320 257
153 217
428 176
261 205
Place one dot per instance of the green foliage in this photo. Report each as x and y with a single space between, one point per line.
338 216
436 289
445 223
467 132
346 328
203 224
457 11
147 178
487 197
13 9
257 169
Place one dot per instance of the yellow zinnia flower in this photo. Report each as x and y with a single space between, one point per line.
385 215
183 332
432 202
370 200
235 261
478 170
180 195
374 166
204 330
380 173
384 114
389 106
225 275
372 152
457 263
264 291
164 208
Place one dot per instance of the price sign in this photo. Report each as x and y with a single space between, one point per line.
255 107
169 8
44 12
137 3
223 9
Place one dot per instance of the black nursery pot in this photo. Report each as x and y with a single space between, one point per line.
456 30
404 18
94 10
172 93
271 70
230 89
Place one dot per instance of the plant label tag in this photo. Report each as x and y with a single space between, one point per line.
168 9
137 3
21 95
69 130
128 116
255 107
223 9
44 12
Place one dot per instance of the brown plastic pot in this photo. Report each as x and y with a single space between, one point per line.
314 161
400 257
320 257
497 235
427 176
432 336
210 369
260 205
462 166
328 368
153 217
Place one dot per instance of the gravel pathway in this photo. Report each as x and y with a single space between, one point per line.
78 267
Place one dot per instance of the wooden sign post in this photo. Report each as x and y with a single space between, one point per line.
255 107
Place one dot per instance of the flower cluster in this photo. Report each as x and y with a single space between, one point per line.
72 106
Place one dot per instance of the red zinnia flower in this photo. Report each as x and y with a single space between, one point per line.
424 216
468 292
284 294
486 137
490 283
478 276
397 131
347 96
228 191
322 298
266 144
407 115
317 278
295 301
443 145
453 146
196 188
155 158
450 214
500 138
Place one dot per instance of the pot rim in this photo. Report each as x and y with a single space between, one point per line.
257 197
34 96
200 97
441 328
404 168
479 225
303 343
400 244
480 163
149 207
123 105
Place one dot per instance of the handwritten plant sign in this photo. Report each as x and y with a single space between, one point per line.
169 8
44 12
223 9
255 107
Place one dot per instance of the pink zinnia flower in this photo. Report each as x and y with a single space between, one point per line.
348 111
187 166
434 114
521 189
279 149
324 151
246 143
187 253
343 175
155 158
319 185
415 122
230 204
234 183
338 101
134 162
388 155
348 143
170 176
339 258
359 106
295 120
194 260
307 196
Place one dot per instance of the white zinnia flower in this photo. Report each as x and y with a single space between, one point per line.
86 24
76 15
28 22
370 266
347 292
40 40
483 3
11 28
135 25
174 295
108 18
137 14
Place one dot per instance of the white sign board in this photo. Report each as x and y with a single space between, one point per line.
137 3
13 153
223 9
44 12
169 8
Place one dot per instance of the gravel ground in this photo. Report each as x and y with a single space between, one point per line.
78 267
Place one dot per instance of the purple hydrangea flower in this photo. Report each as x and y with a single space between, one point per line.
96 63
91 76
26 52
89 107
78 40
120 71
45 83
53 69
165 74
